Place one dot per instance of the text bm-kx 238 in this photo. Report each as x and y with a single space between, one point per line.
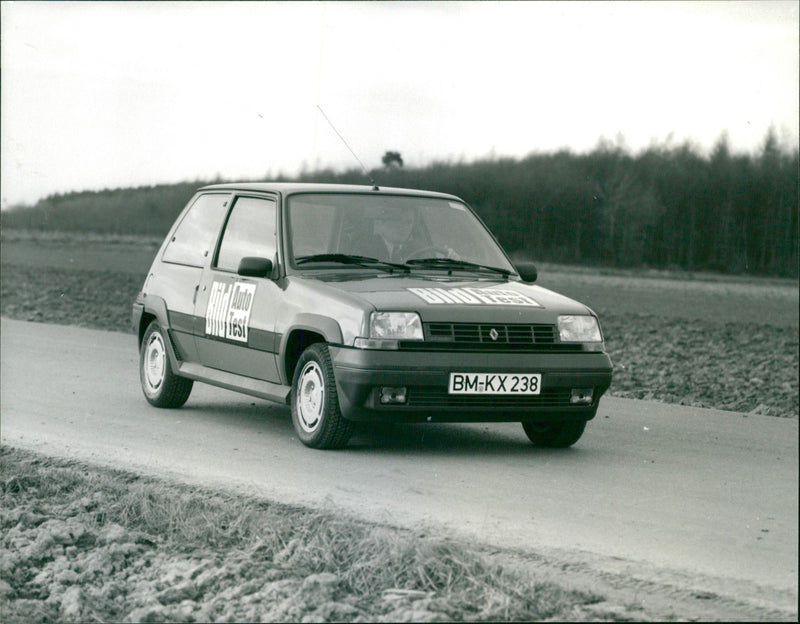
353 303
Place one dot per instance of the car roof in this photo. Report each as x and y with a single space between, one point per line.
289 188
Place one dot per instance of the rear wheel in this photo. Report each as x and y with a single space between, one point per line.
161 386
316 416
559 434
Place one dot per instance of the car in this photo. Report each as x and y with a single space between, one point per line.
363 304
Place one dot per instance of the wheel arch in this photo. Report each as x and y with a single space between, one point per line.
306 330
156 310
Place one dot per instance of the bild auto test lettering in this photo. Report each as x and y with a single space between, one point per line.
229 307
473 296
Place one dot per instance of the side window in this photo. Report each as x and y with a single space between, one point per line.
250 232
196 234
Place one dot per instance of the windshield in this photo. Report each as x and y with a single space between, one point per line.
388 228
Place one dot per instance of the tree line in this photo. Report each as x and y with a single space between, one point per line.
665 207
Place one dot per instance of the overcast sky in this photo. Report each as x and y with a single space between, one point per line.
108 94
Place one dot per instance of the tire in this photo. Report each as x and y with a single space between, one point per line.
556 434
161 386
316 416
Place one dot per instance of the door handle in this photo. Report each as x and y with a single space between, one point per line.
196 289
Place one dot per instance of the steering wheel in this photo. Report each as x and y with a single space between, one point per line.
429 252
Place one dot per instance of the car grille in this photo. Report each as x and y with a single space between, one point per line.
489 337
491 333
438 397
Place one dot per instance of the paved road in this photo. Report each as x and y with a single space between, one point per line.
665 487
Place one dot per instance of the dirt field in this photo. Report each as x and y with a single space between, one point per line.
702 340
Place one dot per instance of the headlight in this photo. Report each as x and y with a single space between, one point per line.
395 326
387 328
579 329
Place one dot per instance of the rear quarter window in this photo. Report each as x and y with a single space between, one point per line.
194 238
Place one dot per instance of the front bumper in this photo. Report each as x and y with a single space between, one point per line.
360 373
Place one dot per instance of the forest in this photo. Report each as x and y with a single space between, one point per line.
668 206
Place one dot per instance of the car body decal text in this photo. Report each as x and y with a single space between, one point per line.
229 307
473 296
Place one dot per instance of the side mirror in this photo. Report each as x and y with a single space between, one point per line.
527 271
255 267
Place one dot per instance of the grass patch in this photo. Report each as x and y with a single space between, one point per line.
77 237
84 543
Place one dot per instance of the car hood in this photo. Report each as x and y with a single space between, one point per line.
456 299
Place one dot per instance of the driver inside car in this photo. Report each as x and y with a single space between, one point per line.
396 239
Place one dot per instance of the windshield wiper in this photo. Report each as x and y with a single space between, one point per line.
451 263
341 258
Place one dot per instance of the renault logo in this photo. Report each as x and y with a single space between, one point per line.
493 333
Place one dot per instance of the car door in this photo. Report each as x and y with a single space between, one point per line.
187 251
235 315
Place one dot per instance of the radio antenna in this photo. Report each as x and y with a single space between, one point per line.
366 173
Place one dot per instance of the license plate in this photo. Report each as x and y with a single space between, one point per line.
495 383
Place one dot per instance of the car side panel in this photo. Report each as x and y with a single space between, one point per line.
226 345
338 315
175 285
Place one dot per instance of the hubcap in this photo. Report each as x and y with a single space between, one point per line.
310 397
155 362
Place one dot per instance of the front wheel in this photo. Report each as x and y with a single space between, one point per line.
554 434
161 386
316 416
